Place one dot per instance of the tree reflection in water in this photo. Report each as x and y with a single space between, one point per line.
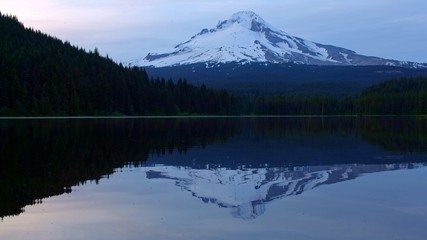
43 158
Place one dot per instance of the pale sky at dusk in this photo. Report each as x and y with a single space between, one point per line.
130 29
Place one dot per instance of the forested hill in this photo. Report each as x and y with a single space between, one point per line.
395 96
42 75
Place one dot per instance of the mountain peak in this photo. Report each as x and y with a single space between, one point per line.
247 19
245 37
244 15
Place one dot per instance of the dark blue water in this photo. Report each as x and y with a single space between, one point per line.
263 178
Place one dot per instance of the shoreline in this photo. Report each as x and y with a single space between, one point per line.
203 116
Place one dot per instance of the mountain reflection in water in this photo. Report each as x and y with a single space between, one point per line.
247 190
43 158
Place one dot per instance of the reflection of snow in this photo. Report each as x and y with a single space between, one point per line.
246 190
248 210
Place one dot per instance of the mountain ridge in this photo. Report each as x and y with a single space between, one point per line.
245 37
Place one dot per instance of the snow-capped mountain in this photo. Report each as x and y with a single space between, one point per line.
246 37
246 191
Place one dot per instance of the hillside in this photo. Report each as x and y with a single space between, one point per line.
396 96
285 78
42 75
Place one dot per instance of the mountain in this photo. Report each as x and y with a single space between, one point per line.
247 191
246 37
247 55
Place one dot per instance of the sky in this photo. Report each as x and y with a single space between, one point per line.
129 29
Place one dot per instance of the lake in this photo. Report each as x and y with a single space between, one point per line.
214 178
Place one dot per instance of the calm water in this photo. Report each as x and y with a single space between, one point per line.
219 178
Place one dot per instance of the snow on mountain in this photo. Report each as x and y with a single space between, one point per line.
246 190
246 37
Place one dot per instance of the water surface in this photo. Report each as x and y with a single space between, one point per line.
269 178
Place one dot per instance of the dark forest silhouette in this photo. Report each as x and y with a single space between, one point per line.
41 75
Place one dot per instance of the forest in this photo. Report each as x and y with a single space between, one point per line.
404 96
285 78
43 76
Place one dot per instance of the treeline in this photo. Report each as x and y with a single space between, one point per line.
301 105
41 75
396 96
405 96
